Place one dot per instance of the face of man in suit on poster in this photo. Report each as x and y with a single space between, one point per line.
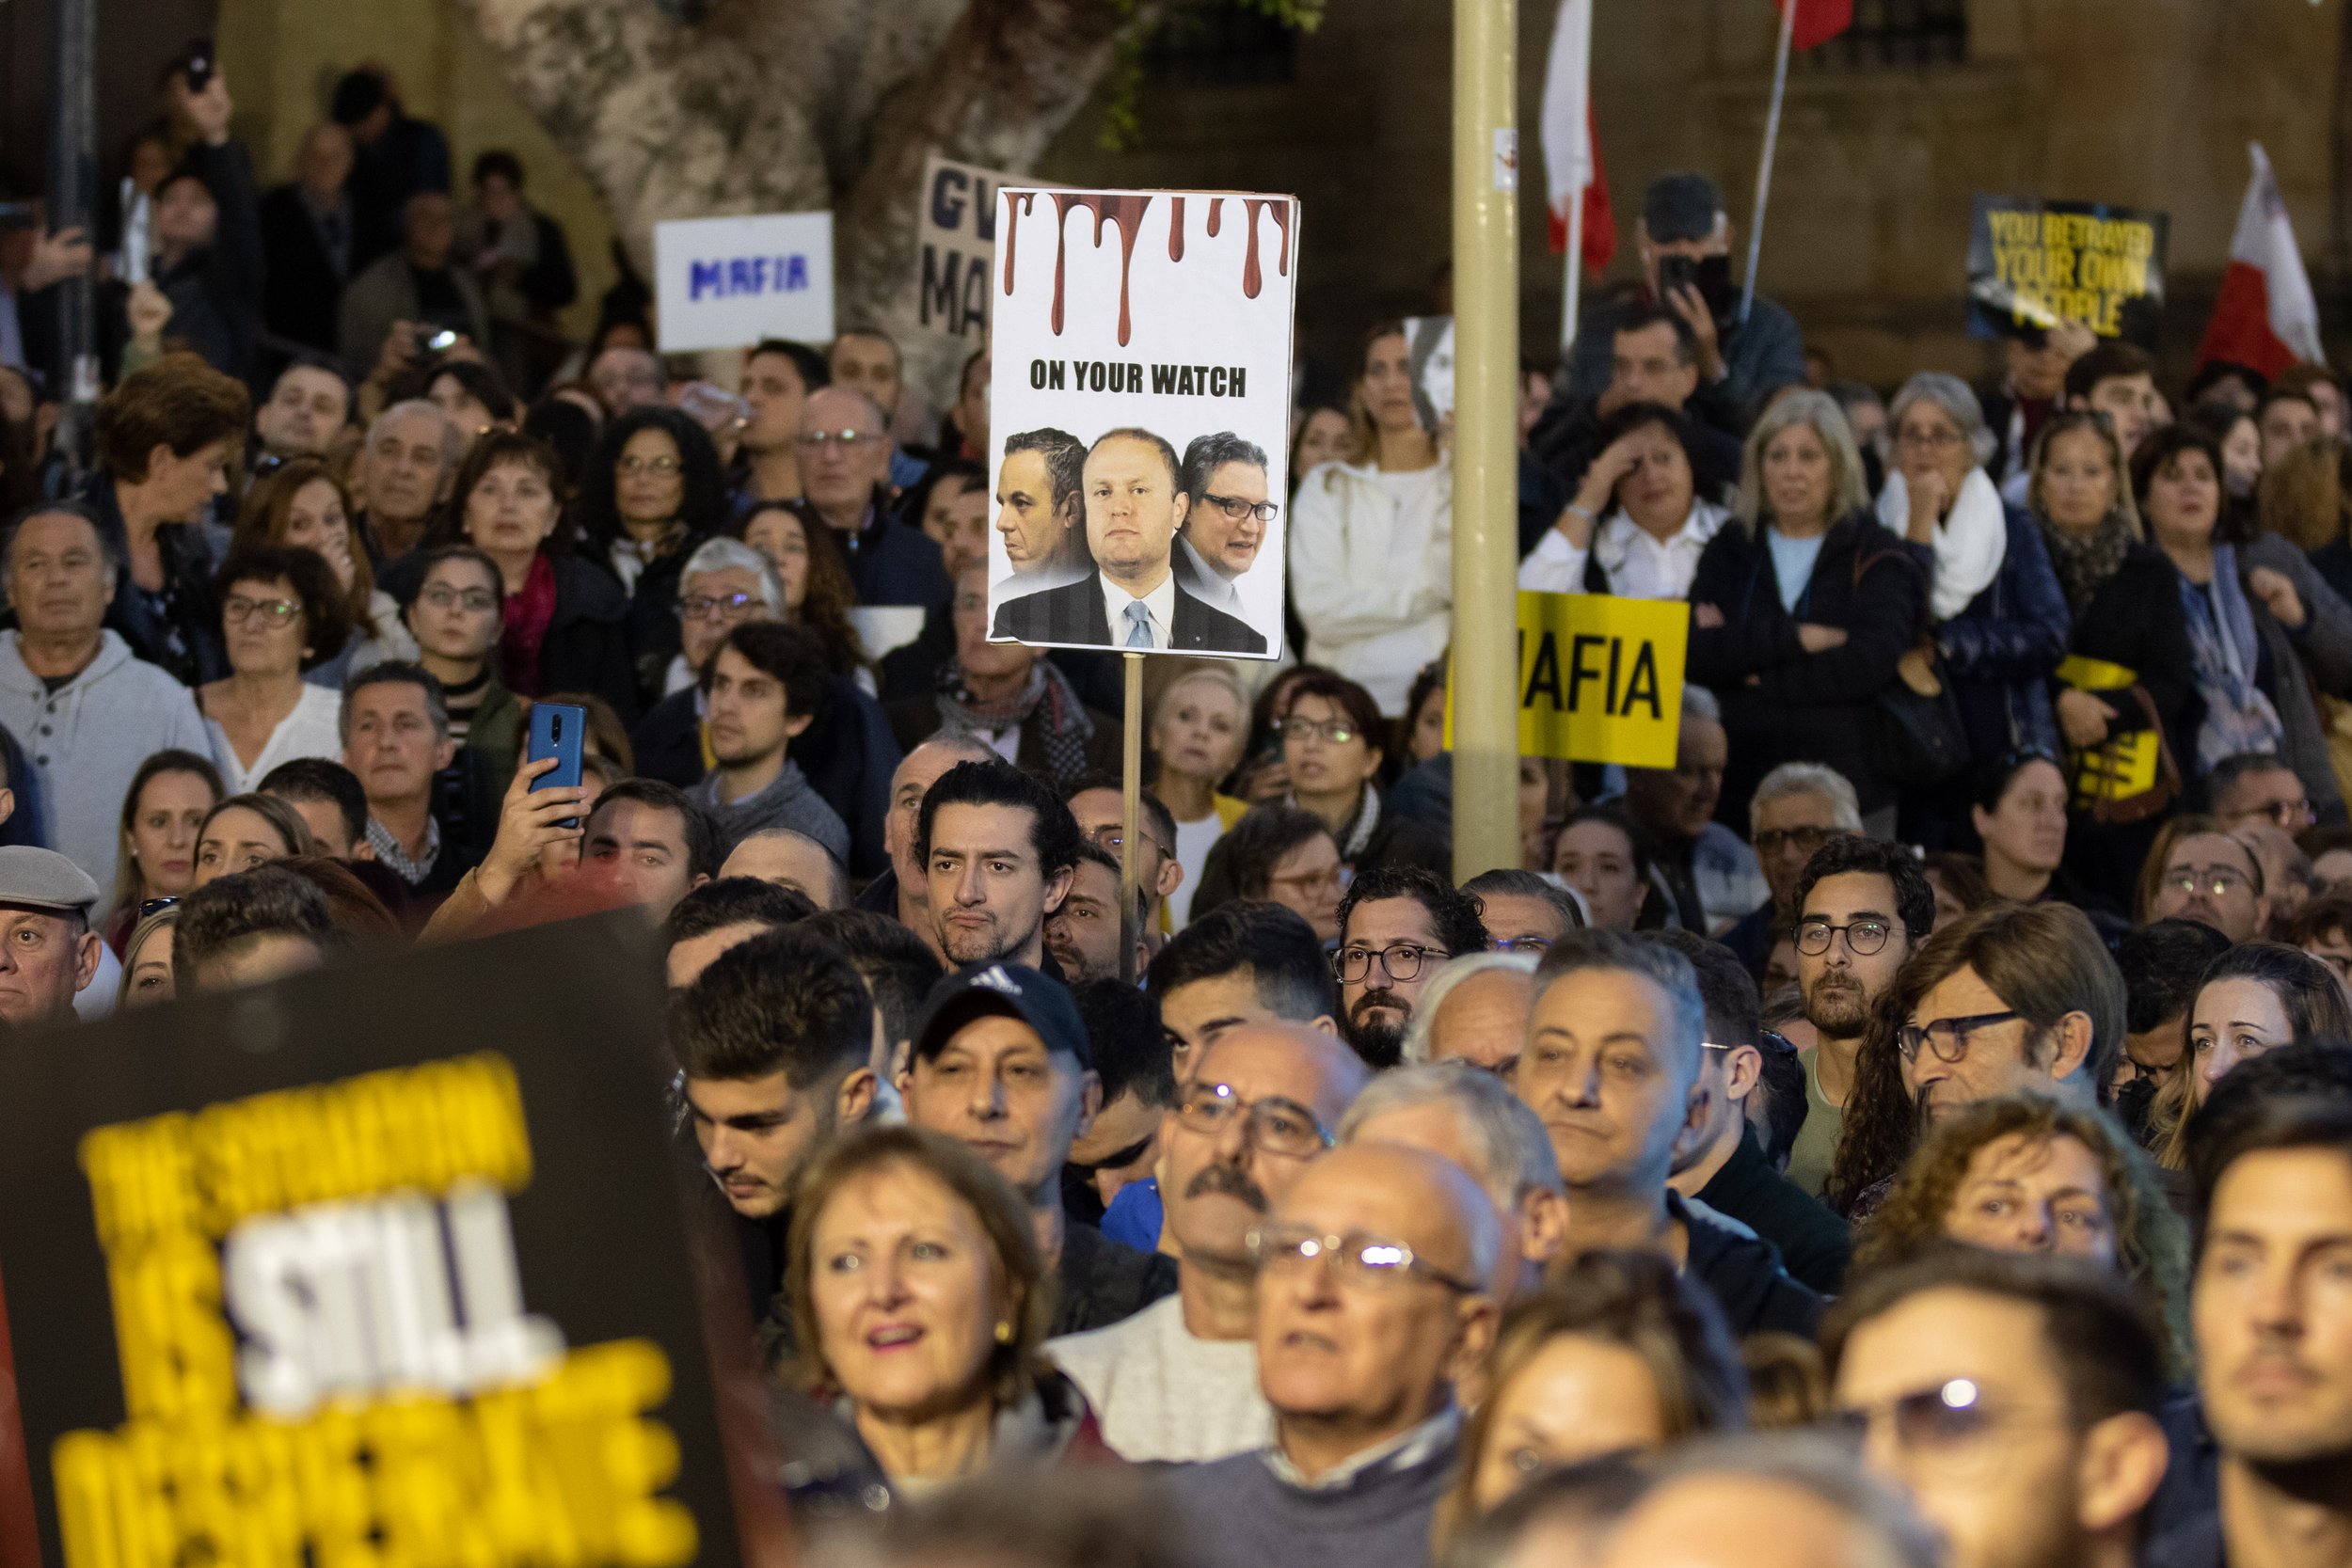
1222 523
1133 508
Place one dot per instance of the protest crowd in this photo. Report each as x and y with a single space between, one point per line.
1915 1128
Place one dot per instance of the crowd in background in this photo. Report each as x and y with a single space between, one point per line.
1948 1060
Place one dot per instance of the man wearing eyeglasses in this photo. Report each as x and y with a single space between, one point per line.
1862 908
2009 997
2013 1396
1397 925
1372 1307
2259 786
1135 498
2211 878
1228 521
1796 808
1179 1380
844 452
1099 807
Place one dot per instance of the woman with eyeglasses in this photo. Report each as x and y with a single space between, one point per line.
1332 751
1371 537
2026 1173
162 813
919 1303
455 618
2255 998
1278 854
563 623
2001 623
247 831
655 491
1198 726
1803 609
1618 1353
281 611
2264 630
302 505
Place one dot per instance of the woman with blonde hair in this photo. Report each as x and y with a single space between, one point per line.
1617 1352
2304 497
919 1303
2027 1172
1199 727
1802 606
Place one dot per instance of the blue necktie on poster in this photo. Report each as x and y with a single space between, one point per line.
1138 625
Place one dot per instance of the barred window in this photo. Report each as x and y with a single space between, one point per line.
1916 34
1220 43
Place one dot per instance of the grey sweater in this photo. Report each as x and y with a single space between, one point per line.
1244 1516
788 801
89 736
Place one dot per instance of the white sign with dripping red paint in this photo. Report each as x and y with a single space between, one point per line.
1140 420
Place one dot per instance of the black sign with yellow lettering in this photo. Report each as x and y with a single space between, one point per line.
2034 263
382 1266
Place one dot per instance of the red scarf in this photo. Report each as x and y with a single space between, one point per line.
528 616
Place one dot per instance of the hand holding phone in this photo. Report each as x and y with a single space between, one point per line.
558 731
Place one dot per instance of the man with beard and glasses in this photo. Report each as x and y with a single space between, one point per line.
1179 1380
1863 906
1397 924
2013 1396
998 849
2272 1313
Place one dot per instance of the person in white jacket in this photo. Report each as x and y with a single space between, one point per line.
107 711
1371 538
1637 525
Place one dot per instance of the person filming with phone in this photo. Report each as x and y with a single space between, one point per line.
1685 243
419 290
205 290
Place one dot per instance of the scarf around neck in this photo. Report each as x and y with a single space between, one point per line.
1970 543
1065 730
2084 564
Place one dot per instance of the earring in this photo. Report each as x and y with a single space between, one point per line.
1004 1333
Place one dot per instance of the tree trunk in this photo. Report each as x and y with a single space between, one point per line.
791 105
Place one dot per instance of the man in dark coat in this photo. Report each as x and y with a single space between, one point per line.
306 239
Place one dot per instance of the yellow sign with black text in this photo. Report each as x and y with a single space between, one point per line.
1600 678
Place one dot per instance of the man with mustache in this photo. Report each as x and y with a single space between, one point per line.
1863 906
1221 534
2272 1315
1397 924
1179 1380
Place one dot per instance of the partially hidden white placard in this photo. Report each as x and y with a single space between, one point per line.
728 282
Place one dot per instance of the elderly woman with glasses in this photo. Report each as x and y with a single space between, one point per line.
281 611
919 1303
2001 622
1802 606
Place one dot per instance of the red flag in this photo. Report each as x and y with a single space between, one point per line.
1818 20
1599 239
2266 317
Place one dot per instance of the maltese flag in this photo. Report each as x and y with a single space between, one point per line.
1817 22
2266 317
1572 168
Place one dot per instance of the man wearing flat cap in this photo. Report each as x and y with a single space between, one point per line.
48 952
1686 267
1002 1064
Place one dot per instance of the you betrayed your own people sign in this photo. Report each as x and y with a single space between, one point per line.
1140 420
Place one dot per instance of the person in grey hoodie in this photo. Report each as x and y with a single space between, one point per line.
763 687
87 711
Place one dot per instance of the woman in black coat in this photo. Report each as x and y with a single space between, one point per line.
2130 659
1802 608
566 619
653 493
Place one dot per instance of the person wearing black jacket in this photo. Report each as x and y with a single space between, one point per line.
1802 608
306 240
208 238
653 493
1610 995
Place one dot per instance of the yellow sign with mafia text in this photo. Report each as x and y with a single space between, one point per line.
1600 678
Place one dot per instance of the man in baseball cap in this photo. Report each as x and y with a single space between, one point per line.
48 952
1002 1064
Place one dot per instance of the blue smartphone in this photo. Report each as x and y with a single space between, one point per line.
558 730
